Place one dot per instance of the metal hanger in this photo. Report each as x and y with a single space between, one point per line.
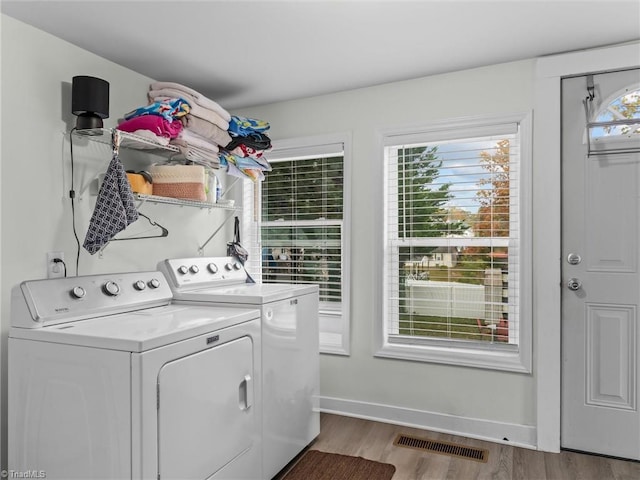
163 231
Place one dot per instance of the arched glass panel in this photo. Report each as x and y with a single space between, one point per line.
614 125
624 108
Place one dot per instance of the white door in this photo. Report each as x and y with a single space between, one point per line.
205 415
601 288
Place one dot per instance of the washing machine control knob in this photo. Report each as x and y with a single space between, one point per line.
111 288
194 269
78 292
213 268
237 266
228 267
182 269
154 283
139 285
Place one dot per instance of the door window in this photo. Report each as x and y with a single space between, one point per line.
613 122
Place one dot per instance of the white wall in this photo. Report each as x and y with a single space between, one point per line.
480 403
37 69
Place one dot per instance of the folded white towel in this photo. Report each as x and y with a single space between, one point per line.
207 130
203 157
196 140
197 96
196 110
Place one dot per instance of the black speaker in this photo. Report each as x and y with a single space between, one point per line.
89 101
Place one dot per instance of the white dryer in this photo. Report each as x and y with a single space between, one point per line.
290 346
110 379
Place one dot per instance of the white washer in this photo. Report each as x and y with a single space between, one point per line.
290 346
110 379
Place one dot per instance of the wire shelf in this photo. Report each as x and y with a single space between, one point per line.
127 140
136 142
182 202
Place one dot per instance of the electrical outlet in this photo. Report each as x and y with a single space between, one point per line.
55 269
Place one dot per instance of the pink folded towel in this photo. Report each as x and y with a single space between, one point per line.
154 123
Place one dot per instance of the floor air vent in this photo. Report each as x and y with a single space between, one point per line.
444 448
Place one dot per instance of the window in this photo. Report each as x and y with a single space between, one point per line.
456 260
302 230
614 125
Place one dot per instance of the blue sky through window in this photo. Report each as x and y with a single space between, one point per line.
463 169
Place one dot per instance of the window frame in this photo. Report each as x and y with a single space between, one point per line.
308 147
514 358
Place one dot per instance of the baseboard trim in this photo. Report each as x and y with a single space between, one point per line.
498 432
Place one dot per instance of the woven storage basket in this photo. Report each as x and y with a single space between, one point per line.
179 181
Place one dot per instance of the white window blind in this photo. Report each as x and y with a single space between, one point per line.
301 233
453 228
302 205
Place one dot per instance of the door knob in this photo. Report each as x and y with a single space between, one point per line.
573 259
574 284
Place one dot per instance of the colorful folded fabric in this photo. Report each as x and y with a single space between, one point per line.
232 170
196 109
158 125
243 162
168 108
241 126
244 166
255 140
197 96
243 150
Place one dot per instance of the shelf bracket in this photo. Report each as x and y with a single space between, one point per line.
226 219
229 187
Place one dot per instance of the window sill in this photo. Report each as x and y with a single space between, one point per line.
504 359
334 332
333 345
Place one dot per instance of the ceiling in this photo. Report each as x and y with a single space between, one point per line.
247 53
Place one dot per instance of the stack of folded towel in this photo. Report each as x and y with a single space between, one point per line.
204 132
243 155
205 125
158 121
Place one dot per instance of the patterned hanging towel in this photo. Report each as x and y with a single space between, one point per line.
115 206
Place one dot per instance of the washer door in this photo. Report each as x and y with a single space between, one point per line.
205 414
